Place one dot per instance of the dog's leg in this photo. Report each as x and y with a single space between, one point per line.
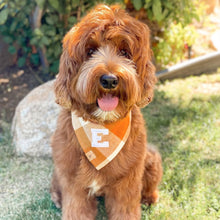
152 176
122 201
74 199
55 191
77 205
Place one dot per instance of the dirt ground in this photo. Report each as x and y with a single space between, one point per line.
16 82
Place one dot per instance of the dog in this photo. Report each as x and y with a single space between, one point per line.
99 147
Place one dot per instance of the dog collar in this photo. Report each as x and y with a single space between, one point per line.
101 143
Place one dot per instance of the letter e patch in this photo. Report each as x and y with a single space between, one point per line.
97 137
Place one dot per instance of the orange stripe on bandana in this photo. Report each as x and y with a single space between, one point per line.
101 143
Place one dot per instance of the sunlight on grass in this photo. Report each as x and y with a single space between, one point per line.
183 122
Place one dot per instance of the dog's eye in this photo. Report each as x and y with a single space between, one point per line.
125 53
90 52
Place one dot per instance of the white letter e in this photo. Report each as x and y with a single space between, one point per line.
97 138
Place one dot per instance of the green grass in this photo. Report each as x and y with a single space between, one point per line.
183 122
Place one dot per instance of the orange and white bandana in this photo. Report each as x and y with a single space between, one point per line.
101 143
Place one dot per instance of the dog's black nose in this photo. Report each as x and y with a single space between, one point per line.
109 81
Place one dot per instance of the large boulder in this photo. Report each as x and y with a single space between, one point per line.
35 121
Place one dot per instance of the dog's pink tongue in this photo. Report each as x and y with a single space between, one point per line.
108 102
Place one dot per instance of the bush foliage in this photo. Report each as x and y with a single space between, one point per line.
34 28
170 49
167 11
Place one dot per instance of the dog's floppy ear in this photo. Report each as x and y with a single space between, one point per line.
148 80
62 82
67 69
145 67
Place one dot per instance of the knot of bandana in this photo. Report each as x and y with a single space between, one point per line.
101 143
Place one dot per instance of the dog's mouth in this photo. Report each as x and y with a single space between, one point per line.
108 102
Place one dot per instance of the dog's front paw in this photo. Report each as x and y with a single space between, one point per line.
56 198
151 199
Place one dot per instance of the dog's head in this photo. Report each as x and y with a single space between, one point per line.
105 68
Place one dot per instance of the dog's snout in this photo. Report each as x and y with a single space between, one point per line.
109 81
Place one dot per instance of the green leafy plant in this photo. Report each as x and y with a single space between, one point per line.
171 48
15 32
34 29
164 12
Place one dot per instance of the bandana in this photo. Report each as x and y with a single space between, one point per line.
101 143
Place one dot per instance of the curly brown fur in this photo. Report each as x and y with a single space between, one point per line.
107 41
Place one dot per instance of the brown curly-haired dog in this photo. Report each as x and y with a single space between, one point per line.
105 75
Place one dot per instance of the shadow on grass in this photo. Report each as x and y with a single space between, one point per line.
102 215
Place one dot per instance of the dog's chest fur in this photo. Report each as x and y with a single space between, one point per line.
94 187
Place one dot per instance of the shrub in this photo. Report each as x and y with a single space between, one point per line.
176 40
164 12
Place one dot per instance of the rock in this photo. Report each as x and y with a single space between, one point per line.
35 121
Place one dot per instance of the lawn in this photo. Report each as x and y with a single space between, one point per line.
183 122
